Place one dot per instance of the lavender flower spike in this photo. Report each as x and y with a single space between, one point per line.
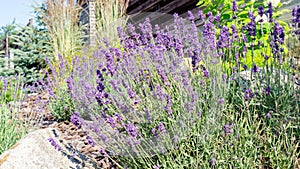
131 130
54 144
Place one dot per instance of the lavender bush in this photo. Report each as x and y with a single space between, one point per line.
164 100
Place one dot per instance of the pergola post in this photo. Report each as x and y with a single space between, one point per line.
92 23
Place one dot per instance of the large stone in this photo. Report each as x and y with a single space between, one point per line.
35 151
246 78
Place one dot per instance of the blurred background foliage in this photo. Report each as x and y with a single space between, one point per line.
30 46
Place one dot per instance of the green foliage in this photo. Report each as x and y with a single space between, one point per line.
9 29
31 57
30 46
12 90
62 106
223 8
11 128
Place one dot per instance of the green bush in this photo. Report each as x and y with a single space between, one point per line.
61 105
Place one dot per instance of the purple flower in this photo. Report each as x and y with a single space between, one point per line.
201 15
209 34
156 167
52 141
5 83
294 14
258 43
163 75
190 16
148 115
54 144
102 151
268 115
205 73
199 114
234 6
103 137
234 16
99 75
217 18
277 37
75 119
255 68
175 139
111 121
161 128
260 11
266 57
223 41
251 26
296 18
119 117
237 136
90 141
131 130
154 132
209 14
267 90
248 94
251 15
270 12
234 32
159 93
168 107
221 101
131 93
213 161
100 87
228 129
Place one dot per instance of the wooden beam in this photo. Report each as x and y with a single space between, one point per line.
133 2
143 7
173 5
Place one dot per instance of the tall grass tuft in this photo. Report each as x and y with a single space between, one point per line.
107 12
62 20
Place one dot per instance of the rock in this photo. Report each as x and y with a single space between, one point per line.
259 77
35 151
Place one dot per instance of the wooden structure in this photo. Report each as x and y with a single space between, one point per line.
8 57
136 7
161 6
